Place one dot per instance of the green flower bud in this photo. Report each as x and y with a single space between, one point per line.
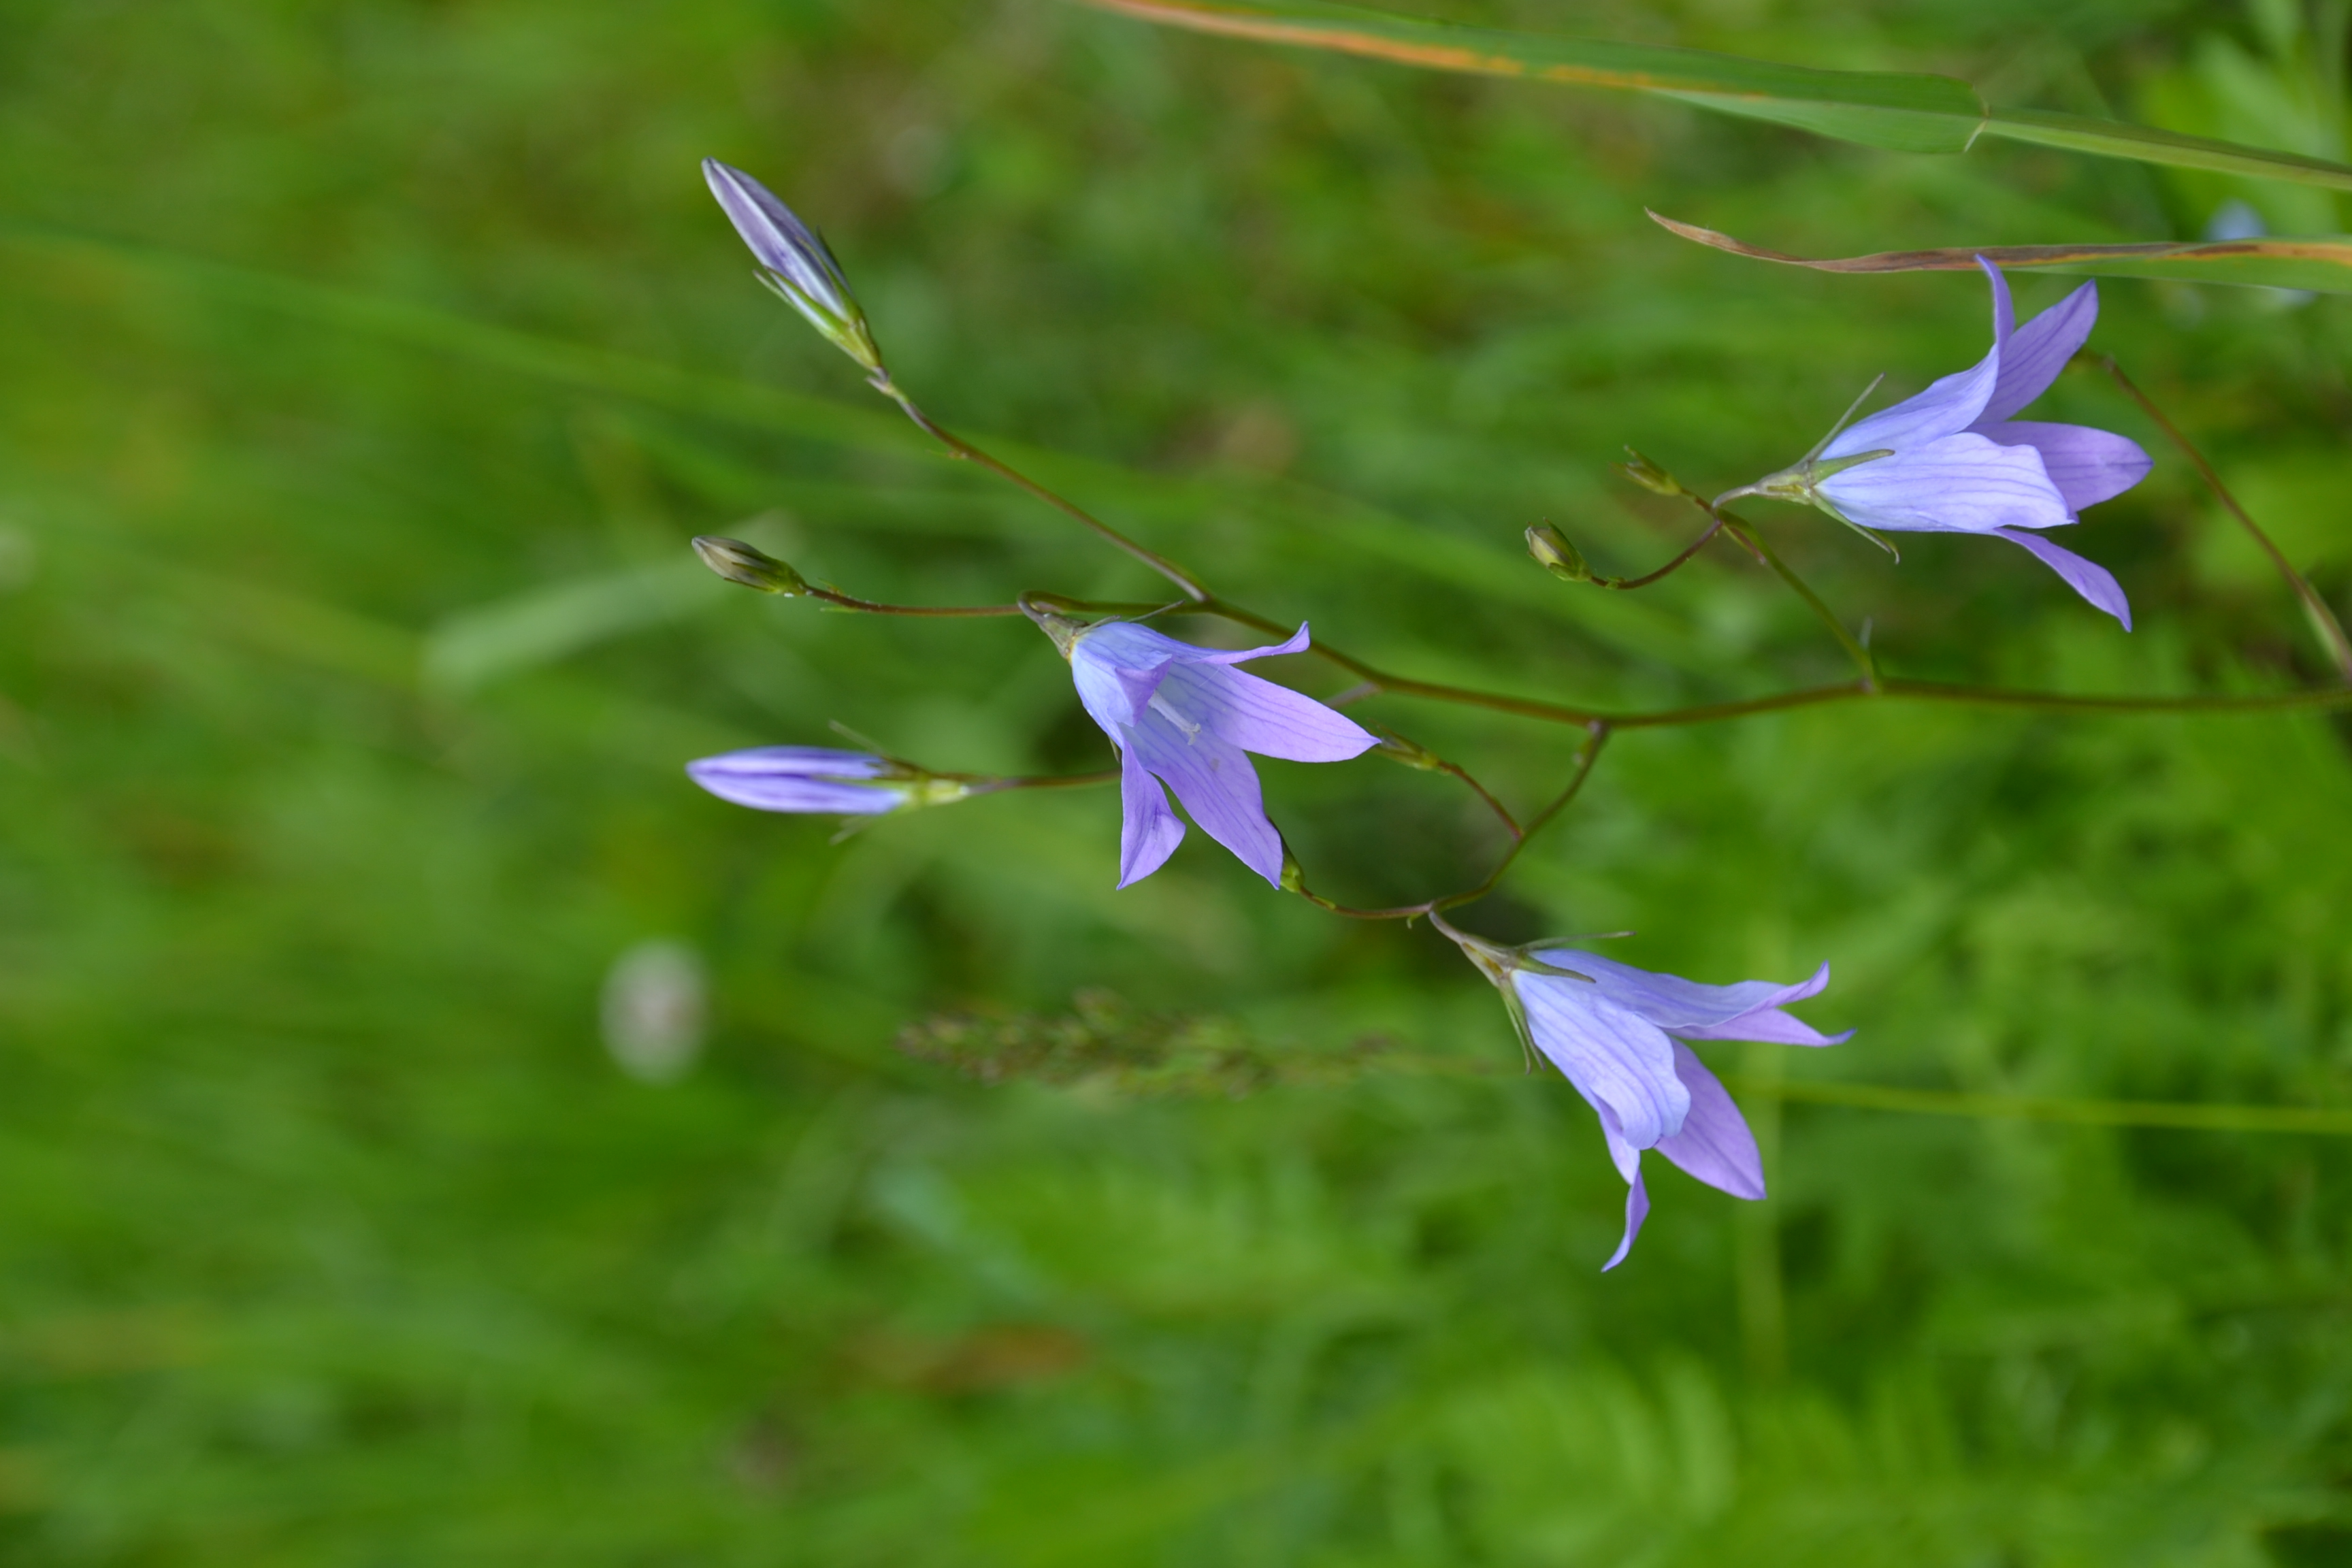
1555 554
753 567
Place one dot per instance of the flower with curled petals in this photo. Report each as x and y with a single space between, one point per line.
1182 717
1616 1033
1954 459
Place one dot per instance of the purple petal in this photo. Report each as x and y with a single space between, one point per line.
1296 642
1615 1057
1959 484
1950 405
2033 356
1715 1144
1218 786
2087 466
796 778
1149 832
1637 1209
1116 679
2088 578
1748 1010
1259 716
783 244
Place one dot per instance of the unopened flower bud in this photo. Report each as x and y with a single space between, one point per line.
795 262
1649 476
1556 555
816 779
753 567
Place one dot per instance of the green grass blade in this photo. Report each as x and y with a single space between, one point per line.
2323 266
1903 112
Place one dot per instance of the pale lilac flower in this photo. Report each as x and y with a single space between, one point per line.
1616 1033
820 779
1184 717
795 261
1953 460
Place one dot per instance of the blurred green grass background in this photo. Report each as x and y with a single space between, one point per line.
367 367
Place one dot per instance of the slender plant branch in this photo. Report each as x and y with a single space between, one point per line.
1670 567
2329 630
959 448
1747 534
841 600
1295 881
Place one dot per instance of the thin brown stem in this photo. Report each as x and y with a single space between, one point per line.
868 608
960 448
1670 567
2324 624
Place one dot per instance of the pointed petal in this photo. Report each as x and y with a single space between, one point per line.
796 778
1259 716
1748 1010
1217 786
1148 832
1614 1056
2038 350
1296 642
776 236
2004 312
1637 1209
1950 405
1959 484
2087 466
1715 1144
2088 578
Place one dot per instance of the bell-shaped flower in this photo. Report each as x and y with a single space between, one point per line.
1616 1033
794 261
1954 460
820 779
1183 717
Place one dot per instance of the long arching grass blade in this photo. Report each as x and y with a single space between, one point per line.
1908 113
2323 266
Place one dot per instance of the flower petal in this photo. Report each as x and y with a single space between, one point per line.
1637 1209
1259 716
1748 1010
796 778
1296 642
1215 781
1115 682
1148 831
2088 578
1947 408
783 244
2087 466
1959 484
1715 1144
2033 356
1615 1057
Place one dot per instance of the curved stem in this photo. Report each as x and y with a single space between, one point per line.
1747 534
2323 622
1597 735
960 449
1670 567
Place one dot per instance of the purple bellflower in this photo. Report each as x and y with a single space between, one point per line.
1617 1033
1183 717
1954 460
794 261
819 780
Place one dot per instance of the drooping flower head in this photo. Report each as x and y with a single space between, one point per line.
794 261
1616 1033
1954 460
1183 717
816 779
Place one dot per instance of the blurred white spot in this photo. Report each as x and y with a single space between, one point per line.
655 1001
